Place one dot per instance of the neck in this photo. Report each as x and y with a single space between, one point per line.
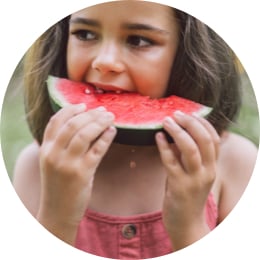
128 156
126 174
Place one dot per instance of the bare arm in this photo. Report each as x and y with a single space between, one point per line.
55 180
26 179
27 184
190 164
238 156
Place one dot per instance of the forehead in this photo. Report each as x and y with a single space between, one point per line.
139 11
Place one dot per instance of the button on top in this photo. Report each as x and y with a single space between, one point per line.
129 231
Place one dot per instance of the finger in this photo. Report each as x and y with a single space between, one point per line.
199 134
168 155
83 139
70 128
73 125
190 154
60 117
212 131
100 147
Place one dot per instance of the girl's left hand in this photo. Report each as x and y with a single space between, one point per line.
191 169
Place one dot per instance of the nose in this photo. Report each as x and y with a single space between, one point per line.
108 59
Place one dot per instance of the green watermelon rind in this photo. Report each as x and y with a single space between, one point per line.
128 134
57 100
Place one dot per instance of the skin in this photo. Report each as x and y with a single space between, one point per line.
129 52
74 168
191 170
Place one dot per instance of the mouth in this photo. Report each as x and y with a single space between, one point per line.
102 88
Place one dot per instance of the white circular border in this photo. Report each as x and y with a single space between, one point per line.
22 22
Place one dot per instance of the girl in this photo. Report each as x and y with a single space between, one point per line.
78 183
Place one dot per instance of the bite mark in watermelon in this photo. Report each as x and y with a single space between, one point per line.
137 117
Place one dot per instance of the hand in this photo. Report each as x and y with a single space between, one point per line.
74 143
191 168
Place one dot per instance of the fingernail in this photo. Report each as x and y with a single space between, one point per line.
101 108
112 129
195 114
168 120
178 113
160 136
110 115
81 106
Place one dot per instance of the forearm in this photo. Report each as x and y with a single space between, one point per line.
183 237
64 230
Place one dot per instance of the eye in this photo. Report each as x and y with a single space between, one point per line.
139 41
85 35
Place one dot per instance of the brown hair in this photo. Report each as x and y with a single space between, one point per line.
204 70
46 56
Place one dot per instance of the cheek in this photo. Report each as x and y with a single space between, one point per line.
76 64
154 77
151 83
164 70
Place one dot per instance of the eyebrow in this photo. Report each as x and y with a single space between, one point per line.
85 21
145 27
128 26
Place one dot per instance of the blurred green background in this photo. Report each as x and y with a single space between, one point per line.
15 133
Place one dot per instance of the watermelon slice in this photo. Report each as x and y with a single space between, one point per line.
137 117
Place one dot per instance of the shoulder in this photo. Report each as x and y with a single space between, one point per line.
26 177
236 162
237 151
28 159
29 152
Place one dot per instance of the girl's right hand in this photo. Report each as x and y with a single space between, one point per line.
74 144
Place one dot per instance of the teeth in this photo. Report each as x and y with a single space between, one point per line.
100 91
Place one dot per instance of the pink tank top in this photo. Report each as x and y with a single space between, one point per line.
134 237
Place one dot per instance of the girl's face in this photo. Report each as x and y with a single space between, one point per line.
123 46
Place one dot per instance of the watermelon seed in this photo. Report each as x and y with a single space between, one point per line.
132 164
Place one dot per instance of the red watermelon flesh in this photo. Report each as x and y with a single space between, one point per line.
131 110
